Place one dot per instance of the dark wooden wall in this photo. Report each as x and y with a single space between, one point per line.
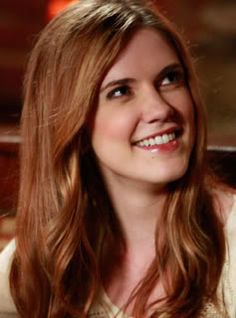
20 21
9 176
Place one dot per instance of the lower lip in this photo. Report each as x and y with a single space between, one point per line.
168 147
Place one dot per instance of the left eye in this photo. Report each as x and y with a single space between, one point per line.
173 77
119 92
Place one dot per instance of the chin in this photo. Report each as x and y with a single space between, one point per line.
169 175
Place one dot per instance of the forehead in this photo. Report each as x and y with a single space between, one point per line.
147 51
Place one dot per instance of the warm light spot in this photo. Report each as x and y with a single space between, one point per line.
55 6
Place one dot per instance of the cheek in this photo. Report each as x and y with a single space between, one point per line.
183 104
113 125
187 112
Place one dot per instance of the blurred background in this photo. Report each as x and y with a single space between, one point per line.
208 25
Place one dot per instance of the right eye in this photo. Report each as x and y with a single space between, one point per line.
119 91
173 78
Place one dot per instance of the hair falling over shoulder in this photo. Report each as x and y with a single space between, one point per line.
64 213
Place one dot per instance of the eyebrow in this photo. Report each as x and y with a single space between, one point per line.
125 81
171 67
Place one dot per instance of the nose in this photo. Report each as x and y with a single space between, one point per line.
155 107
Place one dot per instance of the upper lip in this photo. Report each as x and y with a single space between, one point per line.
175 129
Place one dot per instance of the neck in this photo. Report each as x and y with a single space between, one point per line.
138 208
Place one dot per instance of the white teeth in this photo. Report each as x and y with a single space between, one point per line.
158 140
151 141
165 138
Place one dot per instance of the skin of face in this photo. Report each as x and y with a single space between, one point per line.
144 96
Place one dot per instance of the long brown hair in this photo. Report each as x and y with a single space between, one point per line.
64 212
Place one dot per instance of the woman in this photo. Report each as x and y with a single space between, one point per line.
117 214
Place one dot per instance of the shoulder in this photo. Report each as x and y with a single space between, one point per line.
7 307
230 232
229 271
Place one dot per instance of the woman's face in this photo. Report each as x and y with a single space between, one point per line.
143 130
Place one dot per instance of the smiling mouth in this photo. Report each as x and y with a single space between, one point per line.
158 139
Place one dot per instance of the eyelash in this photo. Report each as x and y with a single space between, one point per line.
126 92
175 77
